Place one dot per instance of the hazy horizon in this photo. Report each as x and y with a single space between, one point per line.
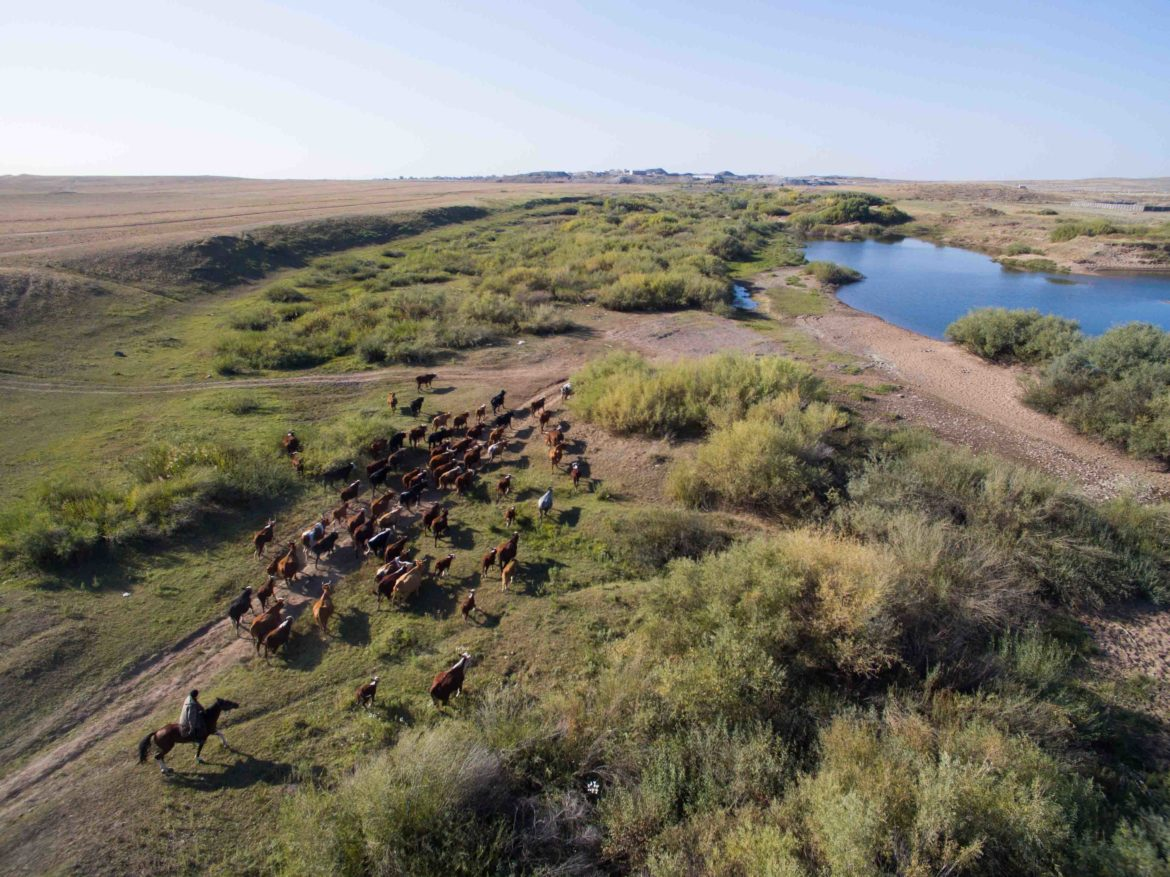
908 91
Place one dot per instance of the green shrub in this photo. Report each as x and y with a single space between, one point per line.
832 274
664 291
487 307
902 797
1003 335
1029 532
779 460
846 207
433 805
1045 266
1115 386
170 488
1021 249
284 291
1066 231
416 304
546 320
625 394
254 320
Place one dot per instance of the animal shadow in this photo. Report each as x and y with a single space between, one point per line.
486 620
434 599
305 649
241 773
533 577
354 627
461 538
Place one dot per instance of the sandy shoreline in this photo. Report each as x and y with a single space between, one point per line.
972 402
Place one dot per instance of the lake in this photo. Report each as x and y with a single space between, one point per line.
924 287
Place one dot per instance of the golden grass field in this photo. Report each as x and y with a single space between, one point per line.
45 217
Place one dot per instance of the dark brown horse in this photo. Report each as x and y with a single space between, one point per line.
167 736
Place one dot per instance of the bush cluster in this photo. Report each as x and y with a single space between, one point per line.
832 274
1115 386
488 279
627 395
766 715
1003 335
848 207
1066 231
782 458
167 489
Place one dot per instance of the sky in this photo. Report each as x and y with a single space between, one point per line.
354 89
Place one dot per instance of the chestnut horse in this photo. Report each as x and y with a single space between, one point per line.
167 736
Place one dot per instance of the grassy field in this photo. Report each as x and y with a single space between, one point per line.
712 660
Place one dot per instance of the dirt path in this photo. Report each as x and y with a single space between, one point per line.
401 374
657 336
155 681
969 401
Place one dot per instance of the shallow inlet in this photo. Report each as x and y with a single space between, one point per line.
742 299
924 287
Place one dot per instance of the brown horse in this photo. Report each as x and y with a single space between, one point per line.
167 736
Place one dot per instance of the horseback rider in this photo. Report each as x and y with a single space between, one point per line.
192 723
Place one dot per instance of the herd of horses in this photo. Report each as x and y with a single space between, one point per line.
389 544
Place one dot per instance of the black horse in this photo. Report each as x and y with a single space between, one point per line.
167 736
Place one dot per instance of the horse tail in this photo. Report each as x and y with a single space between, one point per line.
144 747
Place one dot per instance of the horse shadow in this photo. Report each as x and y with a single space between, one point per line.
531 493
486 620
524 433
534 575
439 391
245 771
391 712
461 538
306 649
433 599
570 517
479 491
353 627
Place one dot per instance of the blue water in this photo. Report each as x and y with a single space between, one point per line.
924 288
743 299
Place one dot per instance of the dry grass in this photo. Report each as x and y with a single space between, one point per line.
43 218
